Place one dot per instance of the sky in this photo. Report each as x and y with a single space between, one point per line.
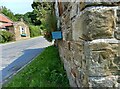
17 6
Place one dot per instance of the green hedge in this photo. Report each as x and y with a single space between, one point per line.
34 31
6 36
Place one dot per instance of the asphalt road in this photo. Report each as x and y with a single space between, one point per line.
17 54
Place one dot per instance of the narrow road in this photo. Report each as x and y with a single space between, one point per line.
17 54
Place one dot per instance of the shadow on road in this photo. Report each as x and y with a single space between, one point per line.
15 66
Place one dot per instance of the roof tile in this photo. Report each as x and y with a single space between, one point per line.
3 18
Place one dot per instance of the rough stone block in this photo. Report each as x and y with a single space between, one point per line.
118 12
77 29
83 78
68 71
78 60
104 82
74 10
118 17
67 34
104 58
117 32
67 17
96 23
78 82
117 35
99 46
65 5
85 3
82 5
77 46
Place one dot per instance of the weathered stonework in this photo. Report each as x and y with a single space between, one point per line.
17 31
94 24
117 32
85 3
104 58
90 48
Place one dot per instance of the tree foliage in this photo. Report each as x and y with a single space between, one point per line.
34 31
34 19
44 12
26 17
8 13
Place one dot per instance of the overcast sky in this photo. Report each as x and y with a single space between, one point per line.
17 6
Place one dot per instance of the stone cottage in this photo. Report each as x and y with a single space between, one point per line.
90 48
19 29
5 22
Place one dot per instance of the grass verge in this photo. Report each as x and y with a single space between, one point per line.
44 71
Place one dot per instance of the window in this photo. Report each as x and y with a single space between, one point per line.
22 31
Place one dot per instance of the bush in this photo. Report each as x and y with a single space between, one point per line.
34 31
6 36
51 25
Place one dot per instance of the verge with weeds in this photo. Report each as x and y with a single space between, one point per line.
44 71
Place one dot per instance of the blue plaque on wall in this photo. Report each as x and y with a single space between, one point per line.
57 35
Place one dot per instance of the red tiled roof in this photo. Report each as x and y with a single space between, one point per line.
3 18
6 25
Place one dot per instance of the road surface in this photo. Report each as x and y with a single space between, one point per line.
17 54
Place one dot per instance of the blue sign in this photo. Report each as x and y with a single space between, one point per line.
57 35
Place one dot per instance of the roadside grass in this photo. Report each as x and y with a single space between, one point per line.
45 71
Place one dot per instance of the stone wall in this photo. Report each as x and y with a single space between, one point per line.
90 48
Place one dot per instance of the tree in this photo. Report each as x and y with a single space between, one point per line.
19 16
29 18
44 13
8 13
26 17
